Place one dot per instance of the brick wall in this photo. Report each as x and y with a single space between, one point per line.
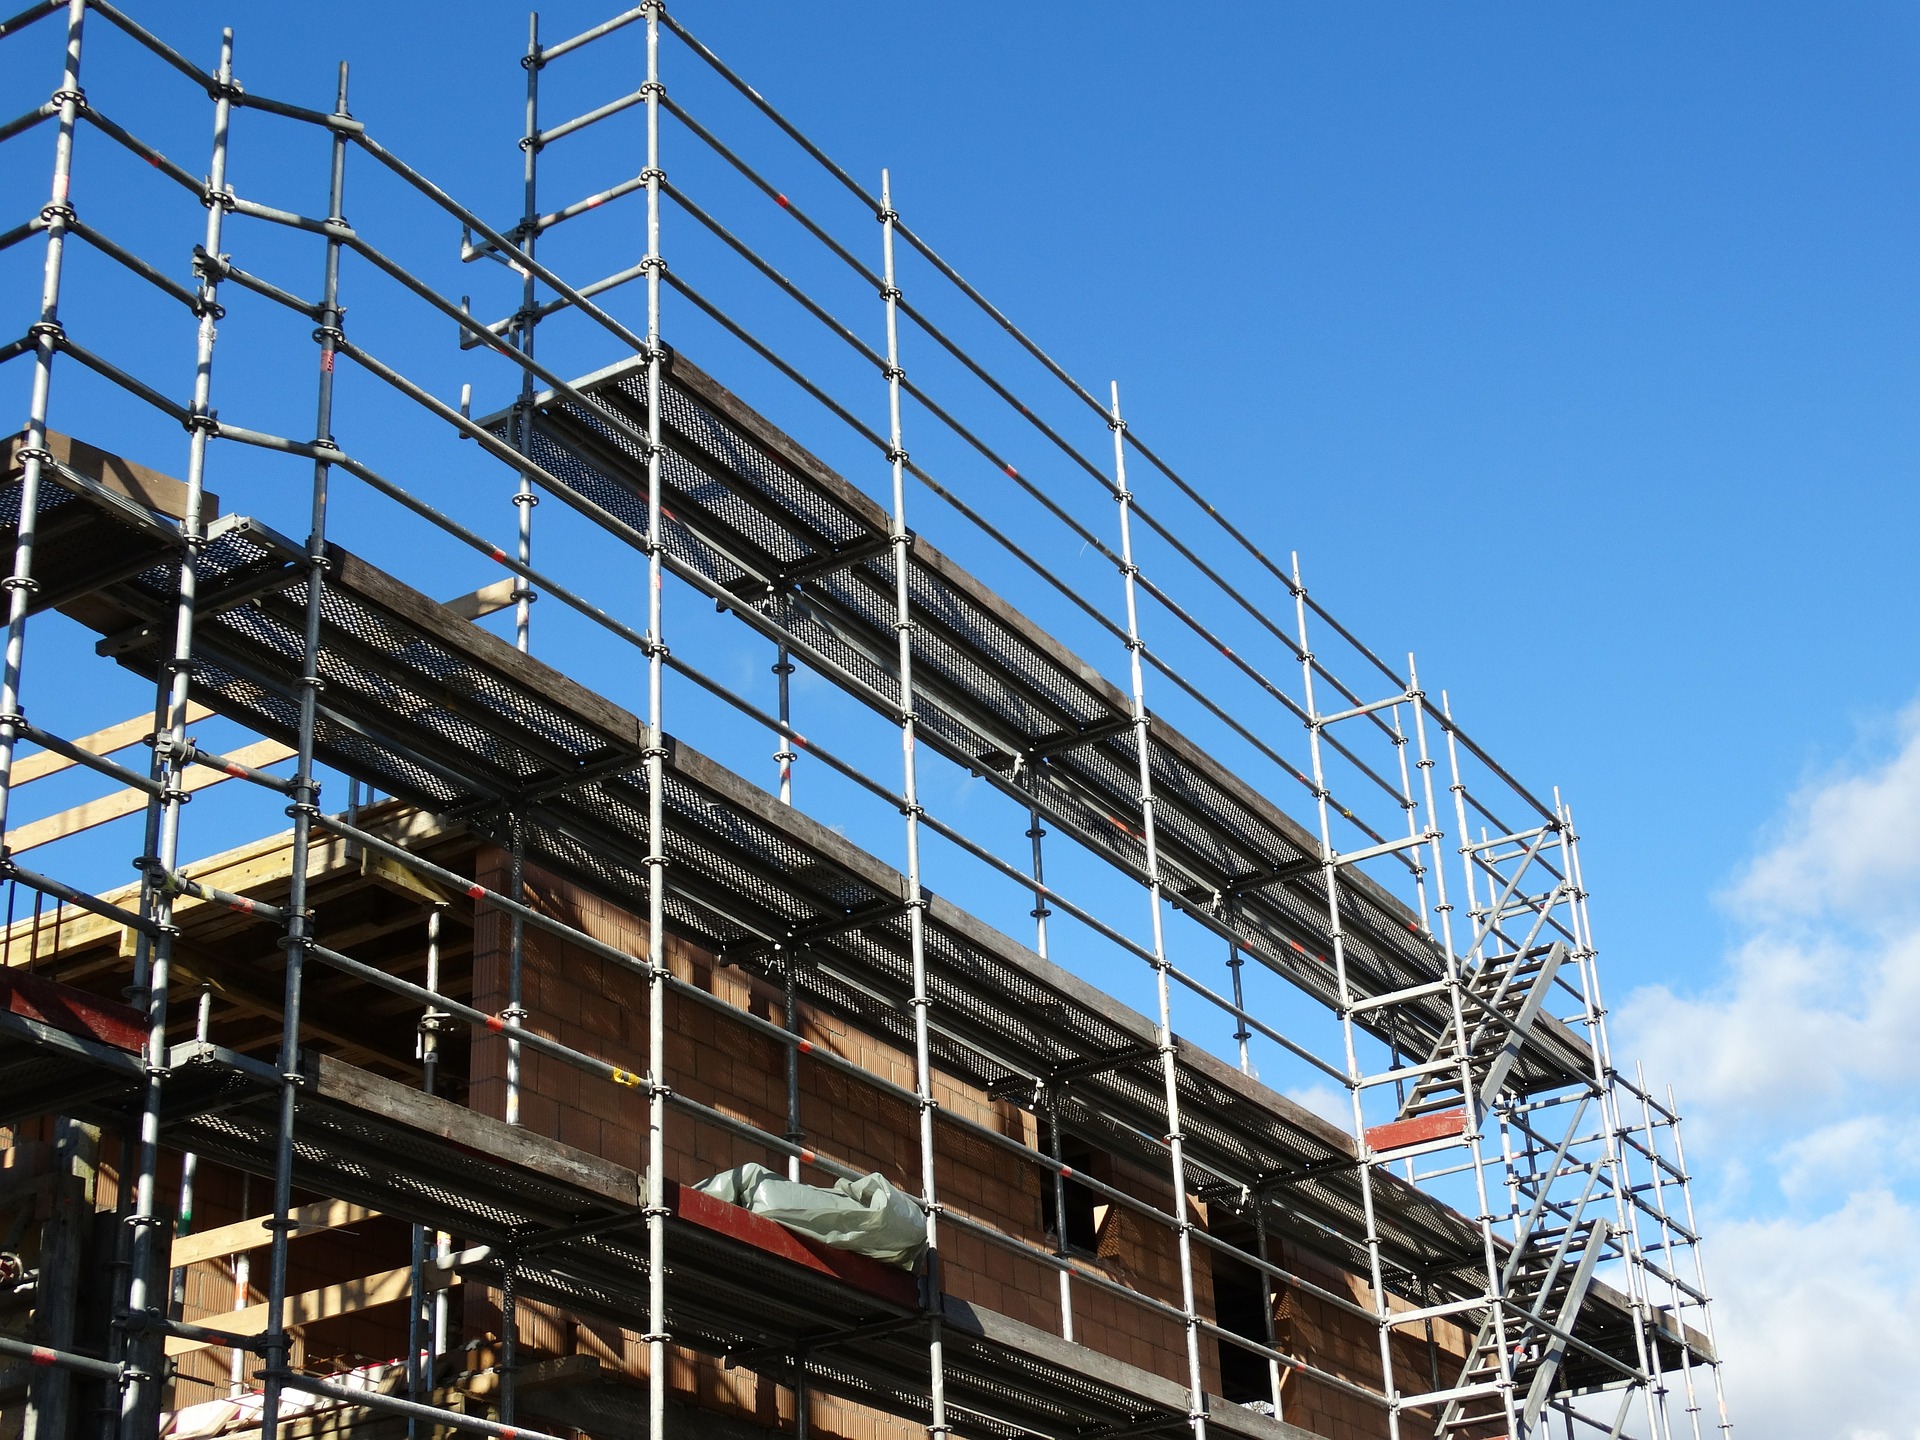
1345 1345
599 1006
366 1247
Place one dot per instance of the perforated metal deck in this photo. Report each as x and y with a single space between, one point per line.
498 1186
761 517
431 709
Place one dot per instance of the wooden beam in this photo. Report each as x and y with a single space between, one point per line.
149 489
101 742
122 803
256 863
251 993
486 600
252 1234
350 1296
392 875
478 1135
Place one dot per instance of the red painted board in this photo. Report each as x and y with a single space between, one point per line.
738 1223
1399 1133
74 1011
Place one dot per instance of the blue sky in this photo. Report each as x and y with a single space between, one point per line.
1573 348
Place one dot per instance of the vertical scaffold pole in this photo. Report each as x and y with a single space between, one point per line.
1274 1376
1613 1125
420 1347
523 596
524 323
189 1171
1435 833
1036 832
1457 975
515 1014
1169 1069
1235 965
47 334
242 1294
139 1403
785 755
656 757
790 1020
1699 1265
1050 1111
1424 764
1411 807
306 792
1657 1181
524 500
902 544
1336 940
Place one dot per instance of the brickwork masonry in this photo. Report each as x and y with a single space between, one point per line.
599 1007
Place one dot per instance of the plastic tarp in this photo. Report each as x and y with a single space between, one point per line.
867 1216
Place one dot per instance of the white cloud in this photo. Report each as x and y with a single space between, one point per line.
1795 1073
1819 1318
1326 1102
1850 844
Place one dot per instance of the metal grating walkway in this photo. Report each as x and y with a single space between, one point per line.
497 1187
431 709
762 518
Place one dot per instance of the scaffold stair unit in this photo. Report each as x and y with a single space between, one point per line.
1500 1233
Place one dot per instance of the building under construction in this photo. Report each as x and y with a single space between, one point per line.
912 804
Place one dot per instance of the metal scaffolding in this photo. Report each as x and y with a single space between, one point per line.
1498 1170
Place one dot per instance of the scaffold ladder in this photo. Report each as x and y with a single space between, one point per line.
1504 996
1547 1277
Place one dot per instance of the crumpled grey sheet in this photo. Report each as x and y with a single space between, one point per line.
867 1216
